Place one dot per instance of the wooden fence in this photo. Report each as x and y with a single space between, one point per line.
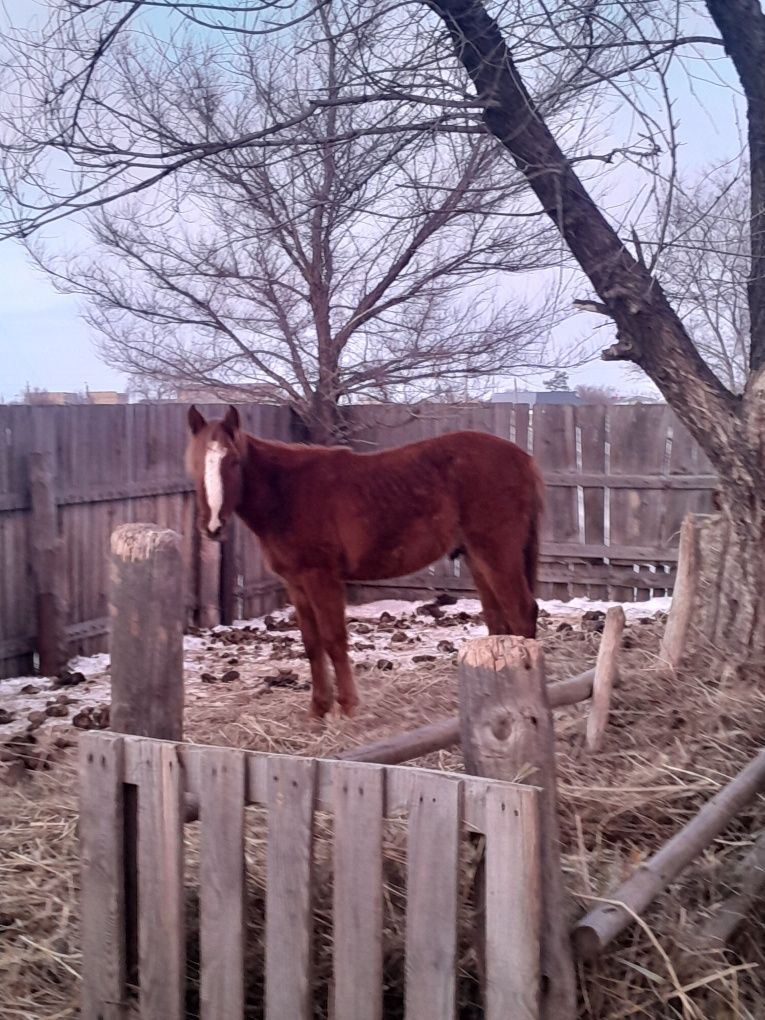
620 480
439 809
104 466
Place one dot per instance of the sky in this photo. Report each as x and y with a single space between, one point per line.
44 343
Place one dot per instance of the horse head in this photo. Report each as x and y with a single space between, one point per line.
214 462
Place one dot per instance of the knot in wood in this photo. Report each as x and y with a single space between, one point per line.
501 724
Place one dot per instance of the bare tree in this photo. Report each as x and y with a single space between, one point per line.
369 266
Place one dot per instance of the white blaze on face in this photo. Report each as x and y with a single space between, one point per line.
214 482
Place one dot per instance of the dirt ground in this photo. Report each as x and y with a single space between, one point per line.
671 744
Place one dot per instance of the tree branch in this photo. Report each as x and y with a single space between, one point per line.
649 331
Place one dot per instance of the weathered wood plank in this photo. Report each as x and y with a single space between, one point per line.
357 892
513 904
555 451
431 910
46 552
289 918
102 904
161 928
222 883
638 436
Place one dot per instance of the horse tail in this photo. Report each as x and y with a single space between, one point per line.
531 548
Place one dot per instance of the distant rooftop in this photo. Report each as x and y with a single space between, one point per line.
61 397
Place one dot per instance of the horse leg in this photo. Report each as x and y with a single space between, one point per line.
492 611
321 688
504 574
327 597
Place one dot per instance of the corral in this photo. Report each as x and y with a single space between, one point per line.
623 792
660 761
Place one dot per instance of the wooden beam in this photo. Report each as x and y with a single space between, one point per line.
594 479
446 732
507 733
601 926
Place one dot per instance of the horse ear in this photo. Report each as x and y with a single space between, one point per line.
231 421
196 420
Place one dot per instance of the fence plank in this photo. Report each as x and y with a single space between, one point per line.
513 904
431 910
161 931
102 904
357 892
291 795
221 883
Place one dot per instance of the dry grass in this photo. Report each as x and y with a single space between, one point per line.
670 745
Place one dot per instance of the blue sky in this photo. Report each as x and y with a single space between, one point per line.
44 343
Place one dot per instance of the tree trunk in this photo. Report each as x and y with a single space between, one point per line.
324 423
729 610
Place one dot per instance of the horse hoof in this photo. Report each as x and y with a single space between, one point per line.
349 709
318 711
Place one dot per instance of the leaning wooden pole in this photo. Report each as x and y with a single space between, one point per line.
593 933
507 733
147 609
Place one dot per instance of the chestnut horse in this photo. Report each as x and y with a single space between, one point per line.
326 515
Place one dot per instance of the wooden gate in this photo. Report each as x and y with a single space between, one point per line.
165 783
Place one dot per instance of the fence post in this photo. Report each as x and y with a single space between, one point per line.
46 562
147 609
606 670
507 733
675 639
209 583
